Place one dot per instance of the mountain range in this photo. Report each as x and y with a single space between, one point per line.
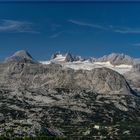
70 96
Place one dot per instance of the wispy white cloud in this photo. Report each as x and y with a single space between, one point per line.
80 23
117 29
55 35
16 26
127 30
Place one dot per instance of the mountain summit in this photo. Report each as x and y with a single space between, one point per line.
116 59
21 56
68 57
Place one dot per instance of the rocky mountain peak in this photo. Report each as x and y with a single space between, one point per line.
23 53
55 55
68 57
117 59
21 56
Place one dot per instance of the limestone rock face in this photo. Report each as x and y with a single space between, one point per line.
100 80
136 68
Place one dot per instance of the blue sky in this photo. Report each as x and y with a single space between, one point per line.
86 29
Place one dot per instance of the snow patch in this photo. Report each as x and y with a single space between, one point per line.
59 57
45 62
87 65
